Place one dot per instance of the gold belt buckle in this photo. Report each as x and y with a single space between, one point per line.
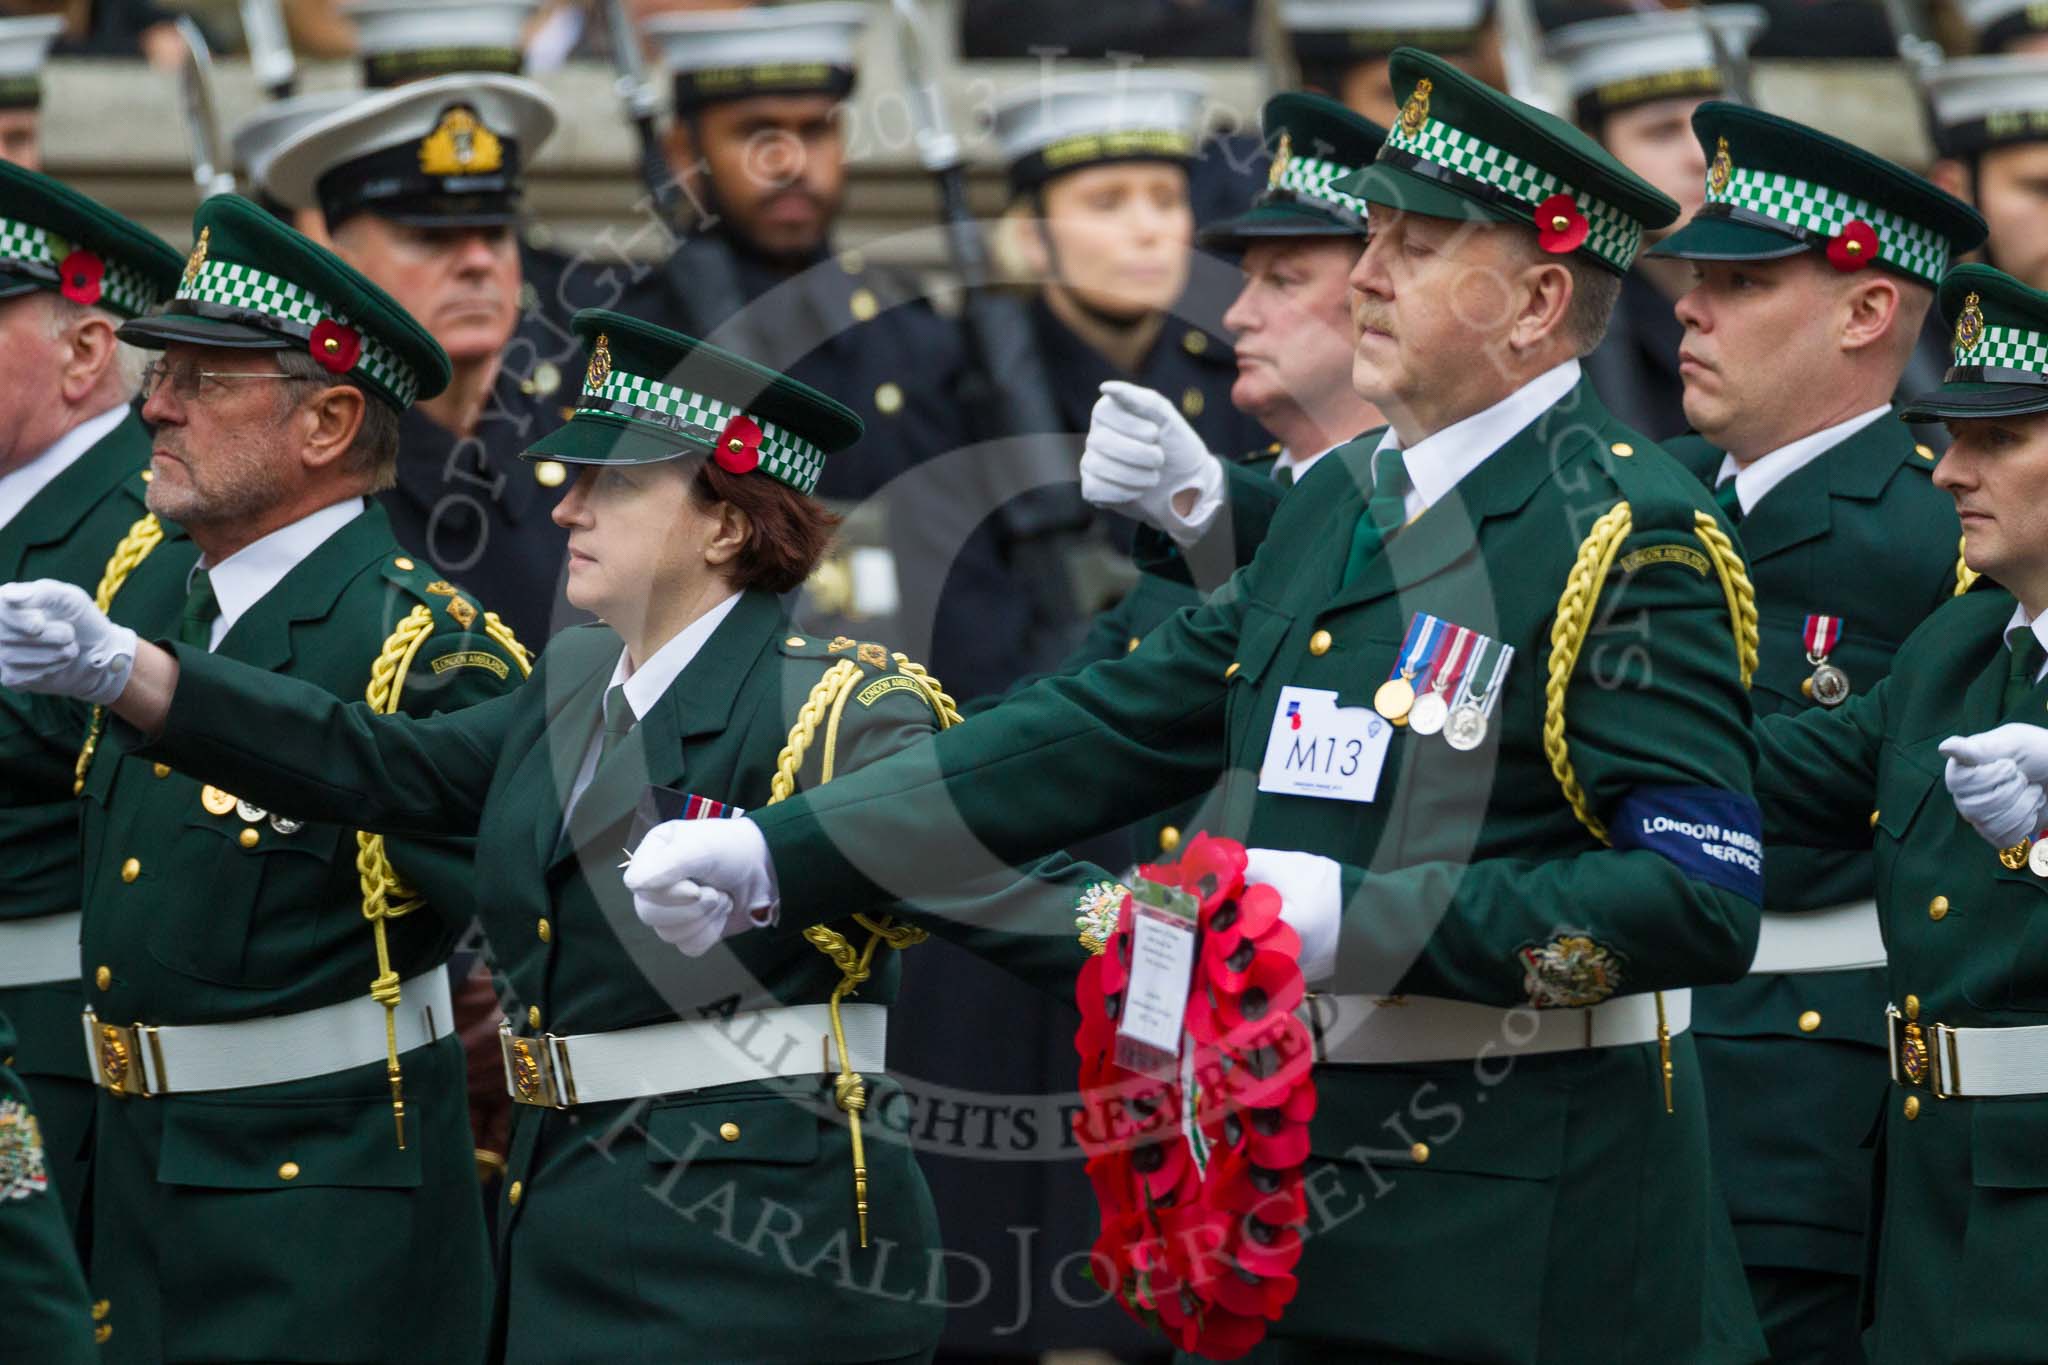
1916 1056
117 1059
536 1069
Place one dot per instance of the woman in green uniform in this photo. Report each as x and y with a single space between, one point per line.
689 1176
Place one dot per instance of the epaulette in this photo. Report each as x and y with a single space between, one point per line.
878 669
1662 495
422 583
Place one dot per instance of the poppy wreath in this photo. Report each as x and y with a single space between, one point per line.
1199 1178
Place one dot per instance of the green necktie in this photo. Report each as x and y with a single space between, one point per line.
619 721
1384 511
1730 504
2023 667
1284 476
202 609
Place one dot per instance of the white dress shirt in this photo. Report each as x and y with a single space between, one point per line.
19 486
2039 625
246 577
1761 475
1300 464
1438 462
646 684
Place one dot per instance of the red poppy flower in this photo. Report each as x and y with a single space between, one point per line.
79 276
1248 1293
1212 870
739 445
1560 226
1854 247
1226 1336
1272 986
336 347
1272 1059
1267 1248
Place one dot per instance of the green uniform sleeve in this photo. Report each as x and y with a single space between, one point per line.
1250 498
1816 773
1657 720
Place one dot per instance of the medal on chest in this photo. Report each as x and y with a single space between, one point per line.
1446 680
1829 685
1396 696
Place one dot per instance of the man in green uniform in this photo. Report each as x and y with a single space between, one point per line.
1961 1201
263 1012
1794 342
1537 905
72 455
42 1292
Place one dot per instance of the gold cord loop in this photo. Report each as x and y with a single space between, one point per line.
145 535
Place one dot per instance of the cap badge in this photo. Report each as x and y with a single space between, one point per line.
1970 323
1415 112
197 259
461 145
1723 169
1281 156
600 364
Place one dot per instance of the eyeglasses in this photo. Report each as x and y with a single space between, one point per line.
188 381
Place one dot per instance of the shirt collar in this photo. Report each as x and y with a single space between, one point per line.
1300 464
646 684
246 577
1437 462
19 487
2039 625
1761 475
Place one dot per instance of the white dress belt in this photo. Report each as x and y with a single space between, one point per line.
45 948
1967 1063
167 1059
1374 1030
1839 938
553 1071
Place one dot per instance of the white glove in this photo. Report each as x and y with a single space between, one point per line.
1141 455
1311 902
1995 781
53 639
697 882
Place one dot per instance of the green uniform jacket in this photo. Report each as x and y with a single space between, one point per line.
194 917
67 531
42 1291
1575 1200
1962 1200
635 1230
1860 533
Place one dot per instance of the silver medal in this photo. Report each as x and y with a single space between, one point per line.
1428 714
249 812
286 825
1829 685
2037 858
1465 729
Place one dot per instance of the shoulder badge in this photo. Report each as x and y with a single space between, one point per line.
840 644
600 364
1970 323
1415 112
197 260
22 1170
871 654
461 145
1569 972
464 614
1723 169
442 587
1281 156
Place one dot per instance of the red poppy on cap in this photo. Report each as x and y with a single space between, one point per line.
1560 227
336 347
79 275
1854 247
739 445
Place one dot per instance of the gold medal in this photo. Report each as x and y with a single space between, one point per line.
215 801
2014 858
1395 697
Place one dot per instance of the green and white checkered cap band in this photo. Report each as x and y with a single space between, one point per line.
784 455
2008 348
1920 252
1314 178
30 245
229 284
1611 235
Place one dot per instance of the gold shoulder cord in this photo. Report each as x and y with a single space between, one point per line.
824 706
1965 575
386 897
1576 609
144 536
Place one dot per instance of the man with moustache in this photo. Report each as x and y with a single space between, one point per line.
1814 266
269 1025
1634 81
1580 883
72 457
421 188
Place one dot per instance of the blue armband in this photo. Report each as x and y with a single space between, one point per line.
1709 834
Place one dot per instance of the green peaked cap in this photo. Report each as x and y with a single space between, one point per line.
650 395
1315 143
1462 149
1998 329
252 283
1776 188
52 237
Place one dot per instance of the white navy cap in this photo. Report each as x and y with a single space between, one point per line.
1067 122
787 50
1610 64
24 47
1994 23
1985 102
409 40
1339 32
256 139
448 151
